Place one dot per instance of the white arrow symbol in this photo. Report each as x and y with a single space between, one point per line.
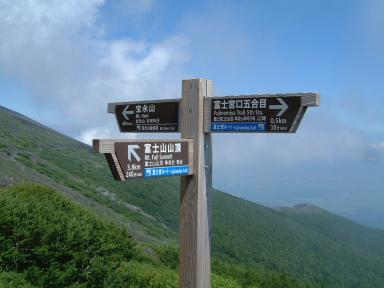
126 113
132 152
283 107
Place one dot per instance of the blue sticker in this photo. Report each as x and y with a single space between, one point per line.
166 171
239 127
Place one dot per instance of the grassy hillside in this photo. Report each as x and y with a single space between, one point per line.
317 246
33 153
314 246
53 242
47 241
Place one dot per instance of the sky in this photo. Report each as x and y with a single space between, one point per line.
61 62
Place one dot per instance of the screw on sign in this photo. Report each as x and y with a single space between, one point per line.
196 116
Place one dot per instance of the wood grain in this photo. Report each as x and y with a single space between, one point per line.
195 190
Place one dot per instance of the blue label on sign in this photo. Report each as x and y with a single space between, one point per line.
240 127
166 171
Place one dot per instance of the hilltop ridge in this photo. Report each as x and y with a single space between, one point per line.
301 208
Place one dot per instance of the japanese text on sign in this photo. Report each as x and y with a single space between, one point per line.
253 114
155 158
148 117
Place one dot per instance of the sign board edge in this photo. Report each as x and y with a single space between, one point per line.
107 146
308 99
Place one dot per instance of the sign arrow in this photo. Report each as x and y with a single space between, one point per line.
132 152
283 107
127 112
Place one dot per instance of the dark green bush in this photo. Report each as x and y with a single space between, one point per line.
55 242
13 280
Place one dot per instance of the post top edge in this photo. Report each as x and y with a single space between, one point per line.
198 79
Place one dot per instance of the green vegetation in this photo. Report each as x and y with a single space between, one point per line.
13 280
316 247
55 243
47 241
252 245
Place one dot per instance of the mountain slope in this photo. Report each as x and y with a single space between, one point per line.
317 247
48 241
31 152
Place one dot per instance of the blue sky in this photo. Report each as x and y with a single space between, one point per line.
61 62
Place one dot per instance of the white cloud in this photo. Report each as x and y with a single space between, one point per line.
378 145
89 134
320 137
36 22
57 51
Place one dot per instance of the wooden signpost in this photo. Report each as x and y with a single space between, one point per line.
196 115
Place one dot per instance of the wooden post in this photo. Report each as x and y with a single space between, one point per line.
195 190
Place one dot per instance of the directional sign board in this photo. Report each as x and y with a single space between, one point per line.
278 113
154 116
131 159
